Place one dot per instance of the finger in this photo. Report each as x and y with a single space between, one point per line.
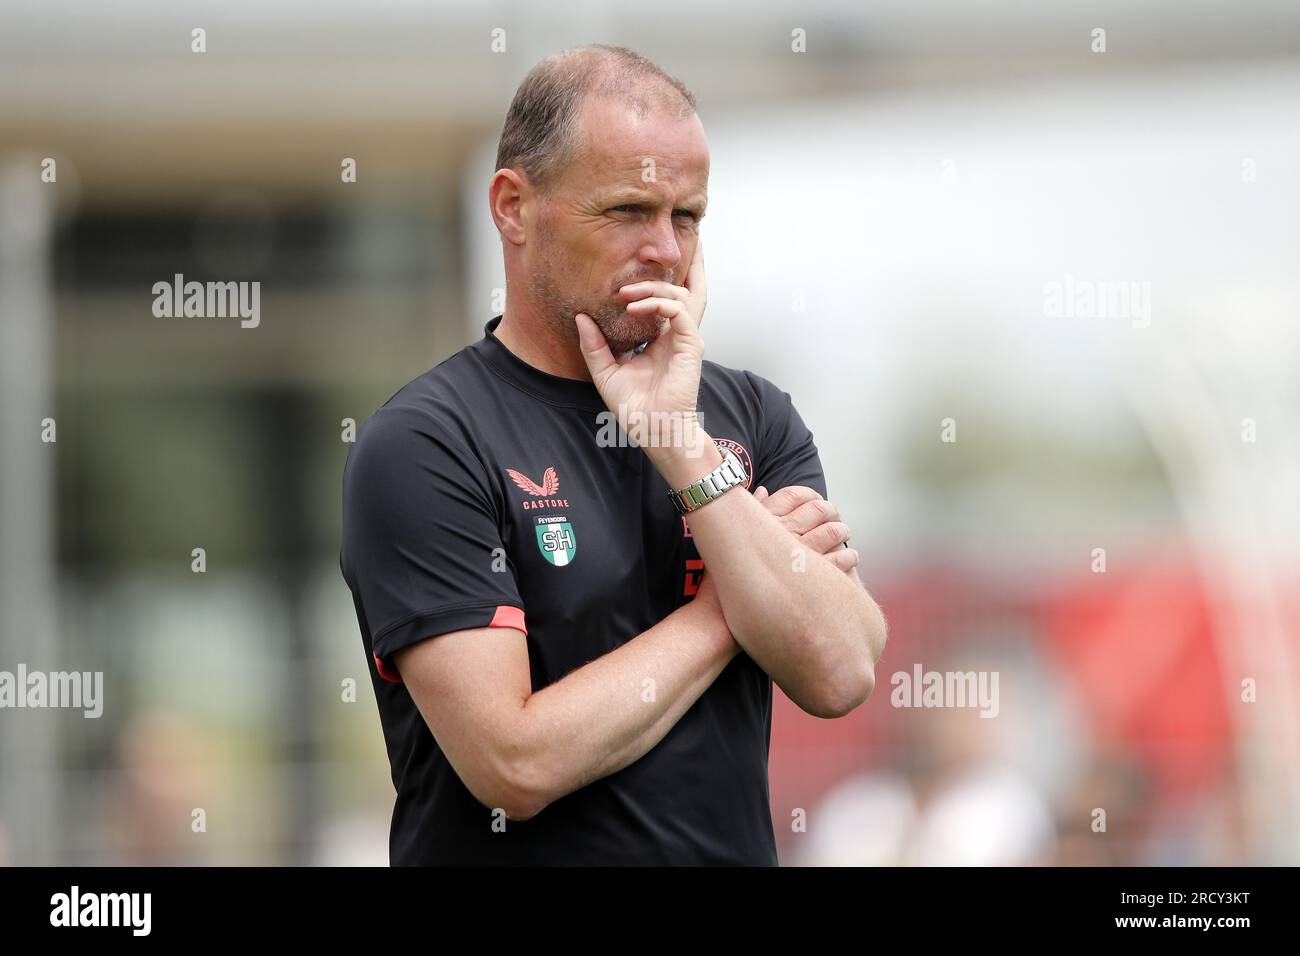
595 350
695 272
787 499
678 316
810 514
696 284
846 559
665 306
665 290
826 537
760 494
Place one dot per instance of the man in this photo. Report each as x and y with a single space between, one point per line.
559 680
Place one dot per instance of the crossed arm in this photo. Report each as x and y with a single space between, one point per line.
814 630
520 751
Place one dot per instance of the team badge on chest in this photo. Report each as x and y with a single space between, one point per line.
556 541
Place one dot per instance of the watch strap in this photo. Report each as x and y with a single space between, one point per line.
712 486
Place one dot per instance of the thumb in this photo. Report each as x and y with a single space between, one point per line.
760 494
595 350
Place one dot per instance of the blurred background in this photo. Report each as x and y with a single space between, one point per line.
1034 287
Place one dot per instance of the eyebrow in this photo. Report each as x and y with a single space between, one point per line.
695 204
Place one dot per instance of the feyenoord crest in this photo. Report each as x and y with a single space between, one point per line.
739 451
555 540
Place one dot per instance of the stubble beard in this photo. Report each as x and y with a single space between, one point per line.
622 330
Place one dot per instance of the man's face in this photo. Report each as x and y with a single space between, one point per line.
627 208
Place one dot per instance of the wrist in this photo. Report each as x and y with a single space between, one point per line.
687 461
707 613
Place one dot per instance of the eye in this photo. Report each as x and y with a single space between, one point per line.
636 208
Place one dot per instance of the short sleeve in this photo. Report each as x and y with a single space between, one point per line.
787 454
420 542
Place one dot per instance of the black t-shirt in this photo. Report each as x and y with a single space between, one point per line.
485 493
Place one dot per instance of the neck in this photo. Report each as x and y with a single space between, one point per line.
535 340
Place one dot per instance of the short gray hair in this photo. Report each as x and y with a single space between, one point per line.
542 125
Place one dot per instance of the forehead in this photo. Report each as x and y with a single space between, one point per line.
617 141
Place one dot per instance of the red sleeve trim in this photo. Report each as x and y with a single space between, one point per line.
386 673
505 616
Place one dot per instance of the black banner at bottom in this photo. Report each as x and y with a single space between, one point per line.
335 906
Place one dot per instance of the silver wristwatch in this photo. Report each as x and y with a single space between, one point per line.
712 486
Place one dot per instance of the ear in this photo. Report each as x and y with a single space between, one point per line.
509 196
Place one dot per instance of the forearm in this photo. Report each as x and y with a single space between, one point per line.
814 629
610 712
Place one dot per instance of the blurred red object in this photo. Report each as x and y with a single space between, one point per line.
1137 645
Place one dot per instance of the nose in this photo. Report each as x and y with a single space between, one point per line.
661 246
